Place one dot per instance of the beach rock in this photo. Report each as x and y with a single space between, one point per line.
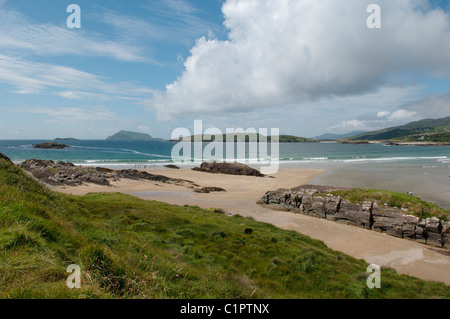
355 218
332 204
435 240
352 214
171 166
136 175
51 145
433 225
317 208
228 168
207 190
307 202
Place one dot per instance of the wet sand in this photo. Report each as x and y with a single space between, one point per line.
429 181
406 257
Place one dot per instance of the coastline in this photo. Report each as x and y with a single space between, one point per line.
242 192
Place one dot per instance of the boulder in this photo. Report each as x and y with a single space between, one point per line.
228 168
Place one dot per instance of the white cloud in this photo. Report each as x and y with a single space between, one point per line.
19 35
285 52
383 114
350 126
402 115
38 78
173 21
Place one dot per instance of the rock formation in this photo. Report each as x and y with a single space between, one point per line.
51 145
67 174
228 168
317 202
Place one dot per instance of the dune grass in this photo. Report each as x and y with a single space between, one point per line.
130 248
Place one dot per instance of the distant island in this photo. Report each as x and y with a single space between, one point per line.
132 136
257 136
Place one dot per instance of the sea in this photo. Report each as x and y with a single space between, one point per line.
421 170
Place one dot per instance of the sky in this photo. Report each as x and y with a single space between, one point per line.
307 67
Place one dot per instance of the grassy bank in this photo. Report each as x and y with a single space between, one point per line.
415 205
131 248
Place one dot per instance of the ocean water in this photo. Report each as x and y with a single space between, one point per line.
418 169
119 153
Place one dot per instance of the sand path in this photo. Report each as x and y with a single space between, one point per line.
406 257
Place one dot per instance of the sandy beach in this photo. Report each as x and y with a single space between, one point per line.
242 192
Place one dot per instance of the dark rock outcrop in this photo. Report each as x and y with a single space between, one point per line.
316 201
58 174
228 168
51 145
4 157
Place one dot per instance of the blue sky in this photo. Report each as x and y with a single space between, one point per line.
305 66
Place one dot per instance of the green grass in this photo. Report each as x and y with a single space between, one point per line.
415 205
131 248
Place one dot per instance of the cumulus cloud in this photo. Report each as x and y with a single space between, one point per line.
291 51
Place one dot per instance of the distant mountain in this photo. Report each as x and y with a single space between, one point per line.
334 137
132 136
428 130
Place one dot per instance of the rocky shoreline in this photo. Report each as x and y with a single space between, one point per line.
316 201
67 174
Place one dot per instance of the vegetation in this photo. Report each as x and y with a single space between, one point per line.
131 248
431 137
257 137
415 205
418 128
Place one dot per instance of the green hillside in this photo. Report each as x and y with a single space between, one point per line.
131 248
257 136
433 130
